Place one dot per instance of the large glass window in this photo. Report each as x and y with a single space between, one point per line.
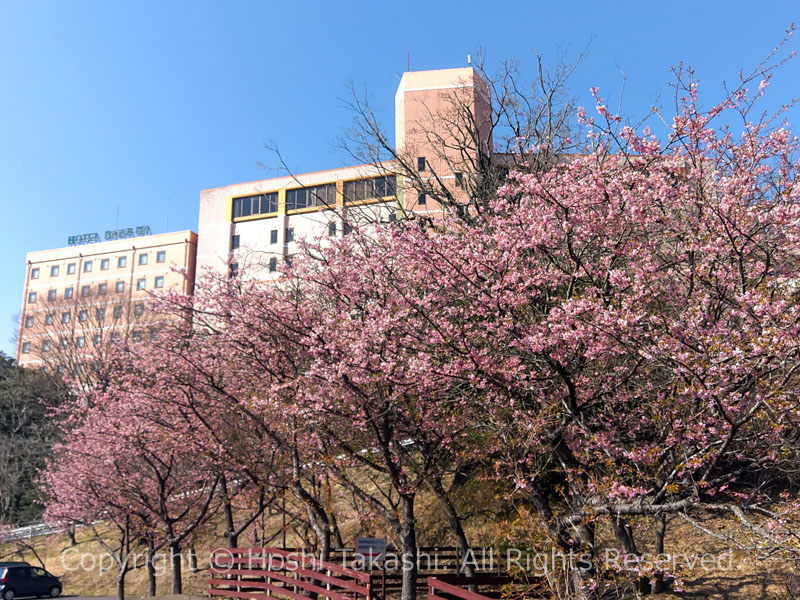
54 271
320 195
87 266
122 261
68 293
35 273
70 268
258 204
161 256
369 187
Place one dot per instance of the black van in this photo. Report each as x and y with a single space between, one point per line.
19 579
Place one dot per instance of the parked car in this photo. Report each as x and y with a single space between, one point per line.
18 579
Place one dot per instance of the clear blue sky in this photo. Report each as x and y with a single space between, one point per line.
140 105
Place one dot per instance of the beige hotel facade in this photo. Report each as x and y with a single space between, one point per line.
252 227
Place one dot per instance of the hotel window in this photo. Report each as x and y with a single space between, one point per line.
459 180
161 256
120 287
49 318
235 242
332 229
117 312
85 290
347 229
143 259
43 370
273 236
140 284
97 339
70 268
32 297
100 313
159 282
116 336
104 264
83 315
65 317
421 163
136 336
45 345
29 321
68 293
80 342
320 195
273 264
51 295
102 289
289 235
258 204
422 199
122 261
138 309
54 271
233 271
87 266
35 273
62 343
370 187
26 347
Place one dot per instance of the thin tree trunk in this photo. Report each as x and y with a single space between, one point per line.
624 534
177 575
659 585
121 584
409 547
458 530
231 537
151 573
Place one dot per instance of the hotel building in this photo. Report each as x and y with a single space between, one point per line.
82 296
252 227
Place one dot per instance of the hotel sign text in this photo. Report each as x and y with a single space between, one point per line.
115 234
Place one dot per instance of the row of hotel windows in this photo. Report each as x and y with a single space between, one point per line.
83 315
318 195
102 289
80 341
273 234
105 263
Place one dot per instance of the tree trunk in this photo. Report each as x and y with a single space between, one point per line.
71 535
193 559
624 534
231 537
409 547
177 576
659 585
121 584
151 573
458 530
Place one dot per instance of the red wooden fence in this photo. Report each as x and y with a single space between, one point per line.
266 572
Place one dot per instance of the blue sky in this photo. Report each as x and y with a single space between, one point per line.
135 107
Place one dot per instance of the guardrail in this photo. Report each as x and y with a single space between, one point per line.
30 531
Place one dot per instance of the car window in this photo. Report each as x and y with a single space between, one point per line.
21 572
37 572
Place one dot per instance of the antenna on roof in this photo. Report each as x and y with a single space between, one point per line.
469 59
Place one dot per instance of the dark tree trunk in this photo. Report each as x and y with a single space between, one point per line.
177 575
458 530
624 535
121 585
659 585
71 535
409 548
231 537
